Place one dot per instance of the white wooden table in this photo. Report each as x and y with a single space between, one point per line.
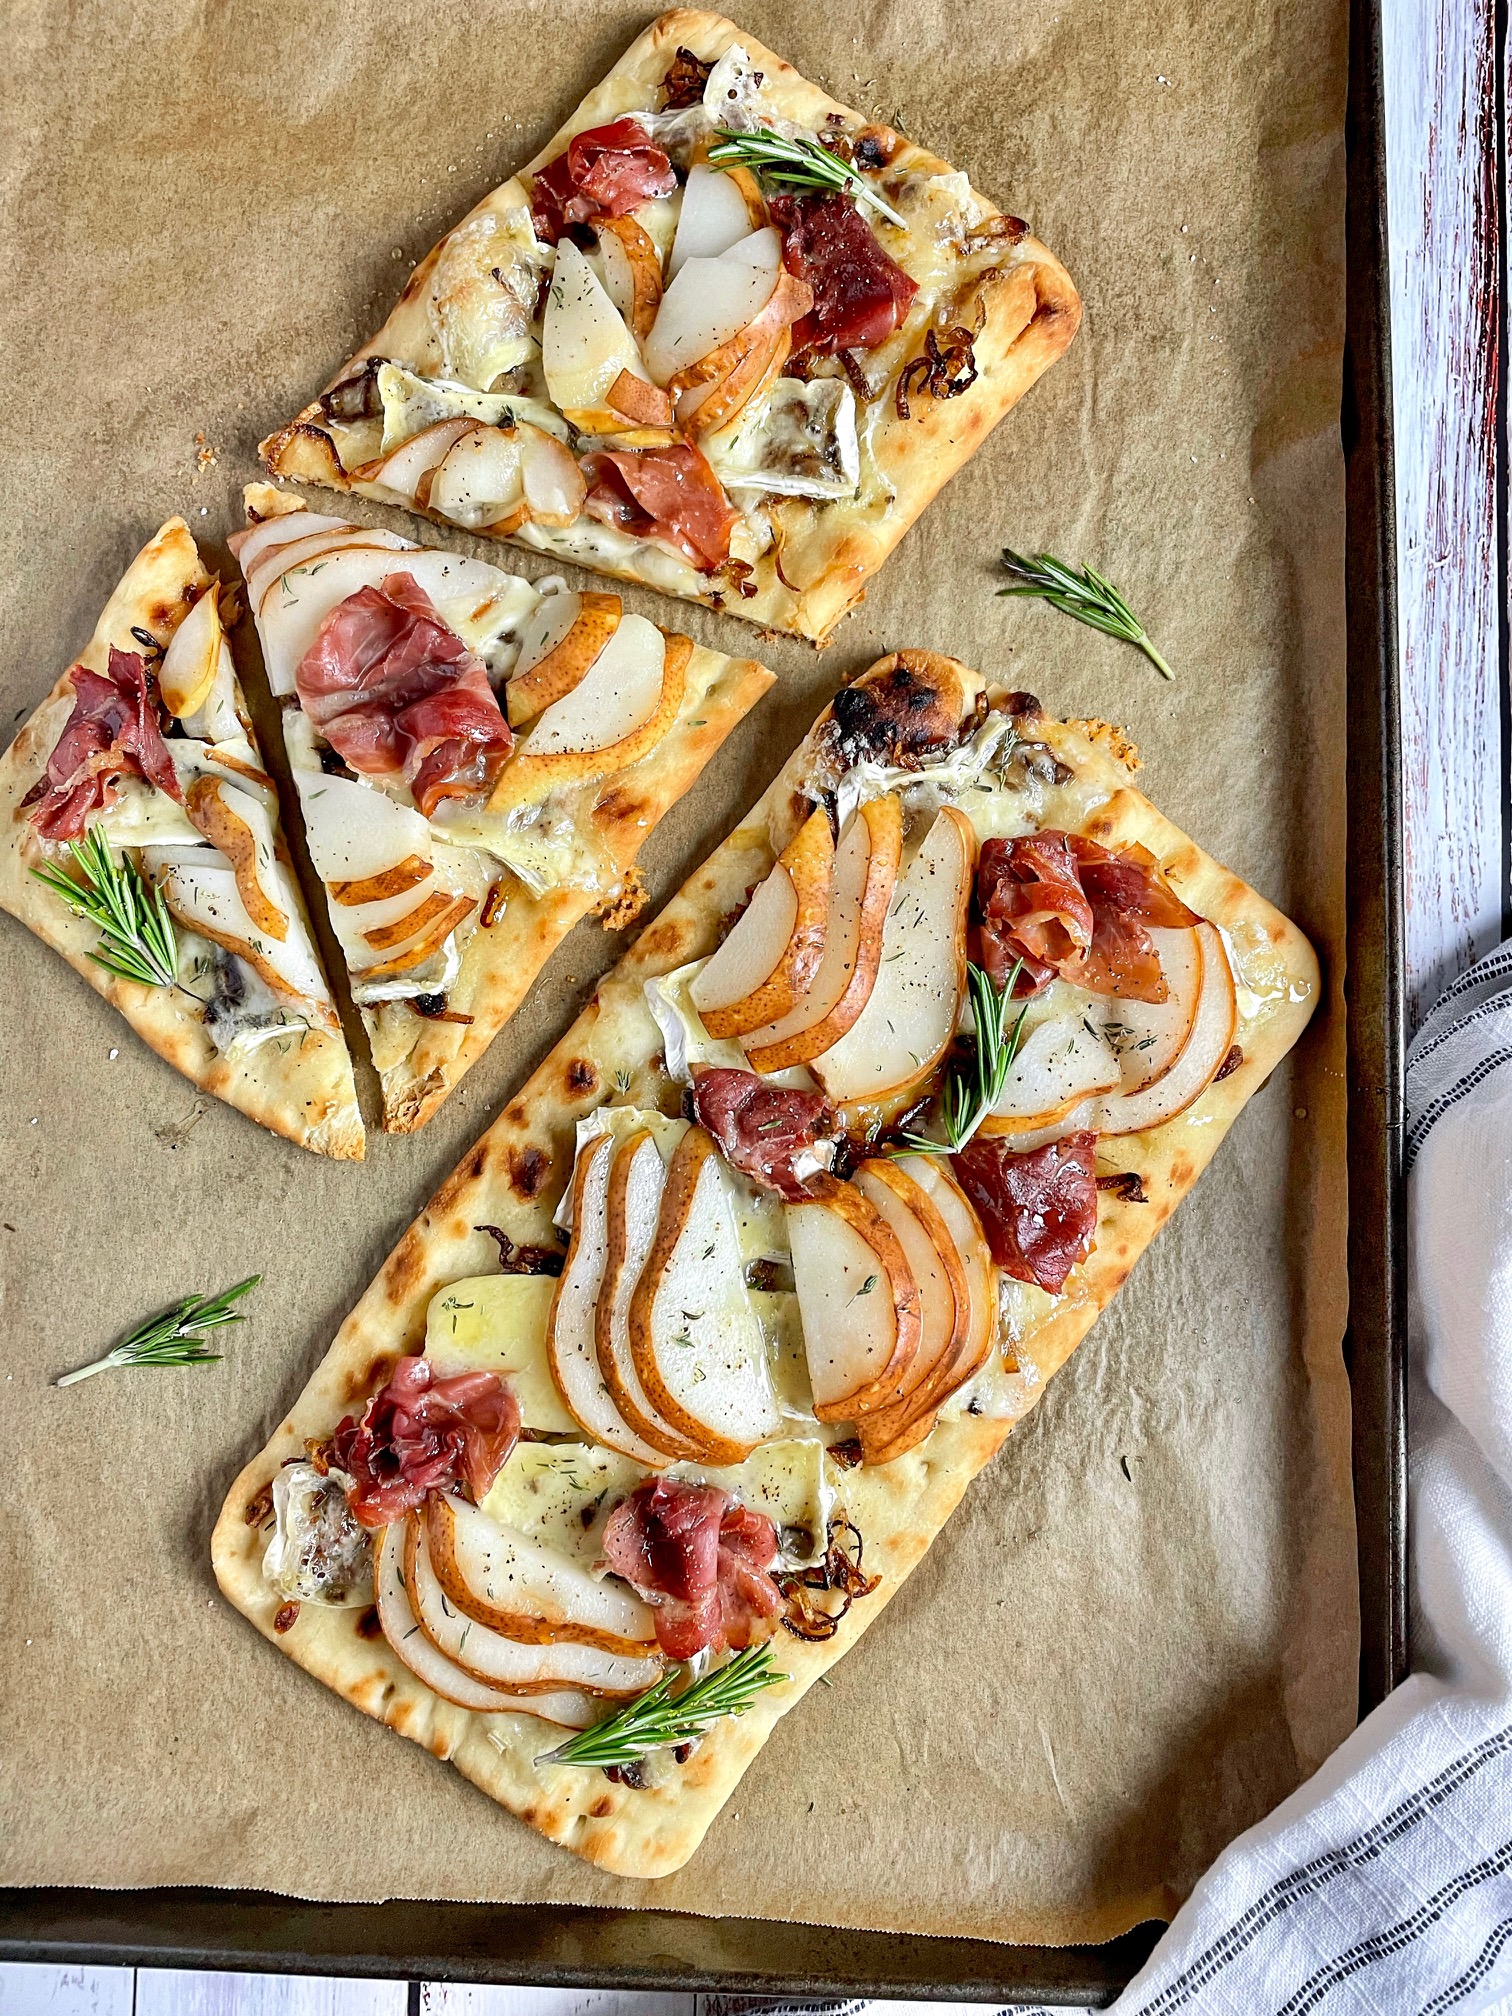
1447 276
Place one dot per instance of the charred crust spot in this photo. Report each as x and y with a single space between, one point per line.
877 146
620 807
516 1116
896 718
581 1076
287 1618
530 1814
371 1378
666 937
528 1170
368 1625
601 1808
1229 1065
1182 1171
406 1268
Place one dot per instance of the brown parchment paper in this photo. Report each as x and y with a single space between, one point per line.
1139 1632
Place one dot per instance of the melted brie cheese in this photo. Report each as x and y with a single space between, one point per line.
799 442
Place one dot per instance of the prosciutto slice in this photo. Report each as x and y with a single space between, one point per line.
760 1128
420 1434
663 493
605 172
860 294
112 732
394 690
702 1560
1038 1208
1066 906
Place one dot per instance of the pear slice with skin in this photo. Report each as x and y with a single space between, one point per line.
555 488
410 1644
695 1338
396 881
226 817
528 1592
866 868
910 1016
585 343
945 1298
408 469
637 1182
481 480
617 713
567 663
251 546
281 559
776 945
858 1300
571 1349
632 271
965 1229
505 1662
190 663
438 928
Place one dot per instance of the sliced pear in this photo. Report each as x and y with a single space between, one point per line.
571 1709
571 1346
866 868
640 402
911 1013
193 657
708 302
1148 1036
695 1337
624 705
632 271
438 928
396 881
585 344
423 917
294 553
555 488
236 823
1211 1039
204 897
945 1294
1060 1062
357 834
480 481
857 1299
959 1217
592 620
775 948
409 469
716 213
505 1662
533 1594
545 627
713 389
306 595
251 545
637 1181
761 248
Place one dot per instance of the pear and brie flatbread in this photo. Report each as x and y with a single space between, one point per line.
723 336
478 764
842 1162
138 782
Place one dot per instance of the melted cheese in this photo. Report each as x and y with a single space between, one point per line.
497 1323
799 442
412 403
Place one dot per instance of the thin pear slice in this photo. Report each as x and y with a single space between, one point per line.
1148 1036
965 1229
585 343
439 926
695 1338
911 1013
555 487
506 1662
617 713
551 677
1060 1062
356 833
481 481
409 469
203 897
251 546
545 627
710 301
571 1349
1211 1039
533 1594
236 823
775 948
858 1301
716 213
193 657
637 1181
296 552
866 868
571 1709
632 271
945 1294
398 880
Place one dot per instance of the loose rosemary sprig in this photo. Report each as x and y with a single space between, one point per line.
796 164
137 939
660 1719
1088 596
175 1337
973 1088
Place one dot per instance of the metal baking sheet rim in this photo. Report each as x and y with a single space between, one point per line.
568 1946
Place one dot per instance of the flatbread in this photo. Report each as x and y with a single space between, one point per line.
1010 291
515 1175
419 1061
300 1087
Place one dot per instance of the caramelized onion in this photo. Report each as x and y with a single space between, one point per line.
947 368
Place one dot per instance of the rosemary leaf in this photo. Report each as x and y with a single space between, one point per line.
137 938
1088 596
660 1719
796 164
174 1338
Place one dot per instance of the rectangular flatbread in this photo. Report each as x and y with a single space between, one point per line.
799 369
145 745
748 1263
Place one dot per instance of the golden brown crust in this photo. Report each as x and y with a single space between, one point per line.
1030 312
513 1177
302 1089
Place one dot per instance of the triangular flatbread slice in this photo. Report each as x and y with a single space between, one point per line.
478 765
900 1311
649 354
144 756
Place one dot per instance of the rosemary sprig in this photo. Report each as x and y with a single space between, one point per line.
974 1087
137 939
1088 596
660 1719
796 164
175 1337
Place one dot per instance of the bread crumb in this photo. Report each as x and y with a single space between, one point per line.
205 456
622 906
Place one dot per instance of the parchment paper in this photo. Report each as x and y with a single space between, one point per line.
1139 1633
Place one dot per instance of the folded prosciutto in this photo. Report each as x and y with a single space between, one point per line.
112 732
703 1561
604 172
421 1434
761 1129
1038 1208
860 294
663 493
394 690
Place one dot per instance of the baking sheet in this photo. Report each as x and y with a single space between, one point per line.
1139 1632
